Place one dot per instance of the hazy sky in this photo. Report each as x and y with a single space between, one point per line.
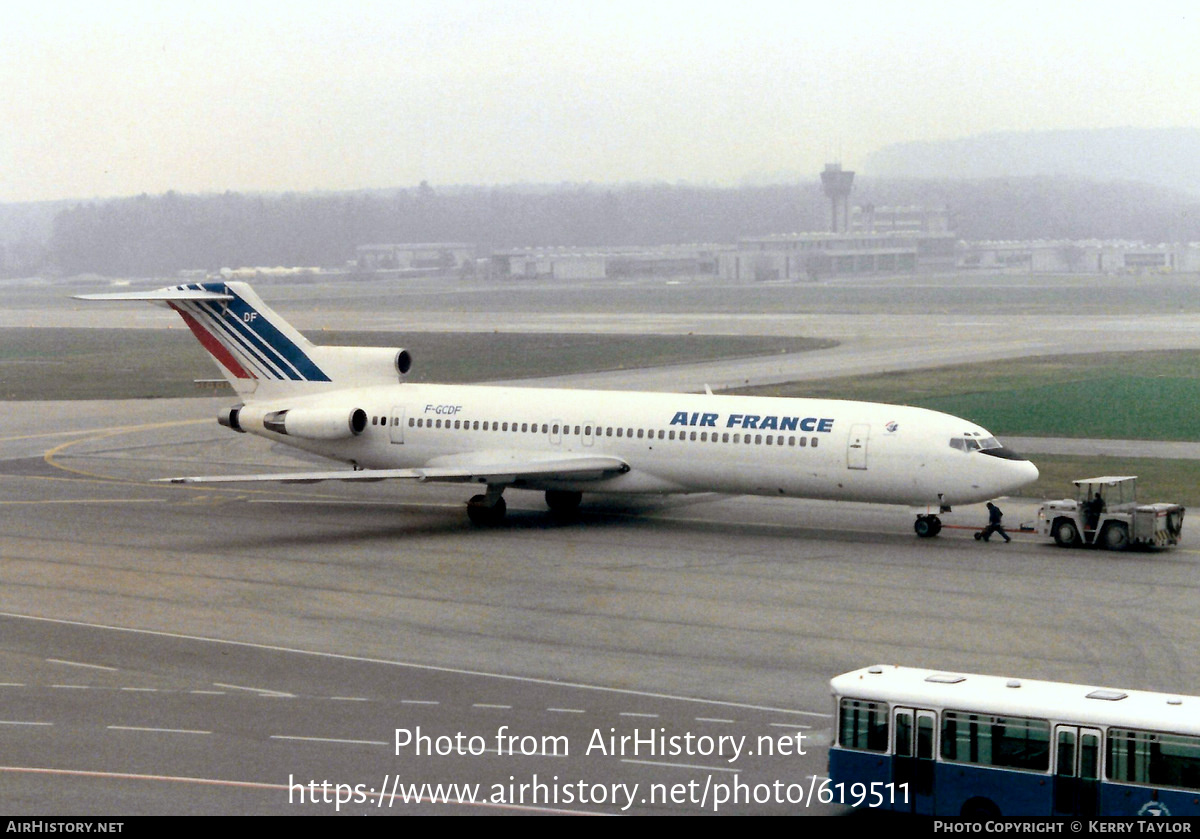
107 98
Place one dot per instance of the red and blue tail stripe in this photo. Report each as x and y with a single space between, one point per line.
243 338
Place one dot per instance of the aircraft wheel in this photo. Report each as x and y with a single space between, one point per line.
1115 537
1066 534
927 526
480 513
563 501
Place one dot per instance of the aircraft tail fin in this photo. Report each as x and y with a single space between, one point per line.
258 351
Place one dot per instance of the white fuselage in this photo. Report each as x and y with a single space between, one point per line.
673 443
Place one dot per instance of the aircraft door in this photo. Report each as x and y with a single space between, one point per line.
589 432
556 427
396 424
1076 771
856 448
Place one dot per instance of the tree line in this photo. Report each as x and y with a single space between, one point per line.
160 235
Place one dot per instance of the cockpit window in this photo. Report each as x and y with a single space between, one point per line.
971 442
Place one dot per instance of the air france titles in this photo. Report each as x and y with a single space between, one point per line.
770 422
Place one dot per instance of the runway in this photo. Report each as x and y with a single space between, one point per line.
171 649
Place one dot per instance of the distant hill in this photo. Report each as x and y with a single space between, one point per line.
1167 157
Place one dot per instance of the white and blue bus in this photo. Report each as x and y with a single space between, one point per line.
959 744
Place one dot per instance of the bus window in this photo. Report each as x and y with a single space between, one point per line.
1012 742
863 725
904 737
1141 757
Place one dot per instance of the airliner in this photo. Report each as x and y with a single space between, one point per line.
353 405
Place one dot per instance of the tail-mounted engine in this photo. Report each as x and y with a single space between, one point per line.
317 423
364 366
229 418
332 422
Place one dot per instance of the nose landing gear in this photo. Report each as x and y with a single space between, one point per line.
927 526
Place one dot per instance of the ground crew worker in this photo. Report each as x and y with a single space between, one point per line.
1092 511
994 525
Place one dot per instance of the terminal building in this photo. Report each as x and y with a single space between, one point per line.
861 240
425 256
813 256
605 263
1079 257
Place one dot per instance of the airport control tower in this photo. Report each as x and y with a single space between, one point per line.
837 186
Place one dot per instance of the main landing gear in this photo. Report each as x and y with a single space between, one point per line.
563 502
927 526
487 510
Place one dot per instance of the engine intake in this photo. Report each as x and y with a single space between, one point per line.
403 361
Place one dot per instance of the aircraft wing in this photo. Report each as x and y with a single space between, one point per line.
447 470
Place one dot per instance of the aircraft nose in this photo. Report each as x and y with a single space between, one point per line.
1023 472
1031 472
1016 471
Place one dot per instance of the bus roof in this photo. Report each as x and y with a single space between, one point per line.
1003 696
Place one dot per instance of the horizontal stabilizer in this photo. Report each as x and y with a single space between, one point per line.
583 468
162 295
